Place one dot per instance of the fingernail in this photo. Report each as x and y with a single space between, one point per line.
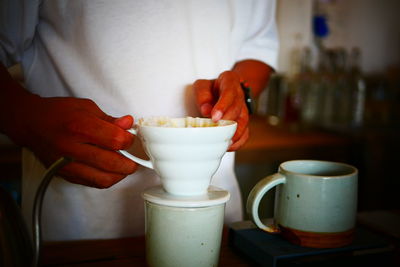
205 109
217 116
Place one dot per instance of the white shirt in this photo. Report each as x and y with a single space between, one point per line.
130 57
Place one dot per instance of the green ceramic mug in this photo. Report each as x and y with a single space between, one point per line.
315 202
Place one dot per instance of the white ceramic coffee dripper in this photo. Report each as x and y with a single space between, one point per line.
185 152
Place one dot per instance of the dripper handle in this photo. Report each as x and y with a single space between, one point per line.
143 162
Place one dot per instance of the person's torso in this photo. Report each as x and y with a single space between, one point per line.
133 57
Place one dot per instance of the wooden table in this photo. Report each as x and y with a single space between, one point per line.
119 252
131 252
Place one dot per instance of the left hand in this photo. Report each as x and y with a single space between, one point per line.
223 98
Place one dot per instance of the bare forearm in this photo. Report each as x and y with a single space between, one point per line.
255 73
15 101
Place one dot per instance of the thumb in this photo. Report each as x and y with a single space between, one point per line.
124 122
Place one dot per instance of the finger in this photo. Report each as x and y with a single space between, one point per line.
124 122
234 110
227 97
239 143
102 159
204 96
228 85
79 173
242 123
90 129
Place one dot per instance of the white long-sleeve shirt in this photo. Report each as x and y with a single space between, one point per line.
130 57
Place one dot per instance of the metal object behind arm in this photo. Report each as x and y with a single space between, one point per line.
37 207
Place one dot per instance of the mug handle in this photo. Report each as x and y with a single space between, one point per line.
145 163
255 196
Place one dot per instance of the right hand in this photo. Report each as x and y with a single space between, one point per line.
223 99
77 128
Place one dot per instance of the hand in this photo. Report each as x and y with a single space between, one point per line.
223 98
77 128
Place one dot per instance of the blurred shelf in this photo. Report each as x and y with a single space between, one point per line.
277 143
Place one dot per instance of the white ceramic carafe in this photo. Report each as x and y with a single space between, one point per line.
184 231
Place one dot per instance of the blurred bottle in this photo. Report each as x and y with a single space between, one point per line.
292 105
358 85
336 90
343 91
309 90
274 99
292 100
325 83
